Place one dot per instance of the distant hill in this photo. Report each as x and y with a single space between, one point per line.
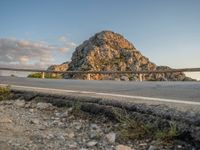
109 51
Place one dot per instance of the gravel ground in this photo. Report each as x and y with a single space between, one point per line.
41 126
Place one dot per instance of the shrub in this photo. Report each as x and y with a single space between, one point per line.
49 76
35 75
5 93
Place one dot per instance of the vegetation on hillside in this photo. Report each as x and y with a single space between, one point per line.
47 75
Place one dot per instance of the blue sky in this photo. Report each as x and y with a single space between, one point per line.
166 31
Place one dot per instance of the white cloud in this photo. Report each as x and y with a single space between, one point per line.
24 52
64 49
67 44
29 54
62 39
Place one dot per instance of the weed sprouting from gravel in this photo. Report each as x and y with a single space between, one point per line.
131 129
168 134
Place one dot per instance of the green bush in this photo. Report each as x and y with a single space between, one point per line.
35 75
5 93
47 75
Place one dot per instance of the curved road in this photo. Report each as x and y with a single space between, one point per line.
172 92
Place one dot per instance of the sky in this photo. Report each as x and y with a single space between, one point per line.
38 33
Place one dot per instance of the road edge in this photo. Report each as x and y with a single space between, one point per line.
187 121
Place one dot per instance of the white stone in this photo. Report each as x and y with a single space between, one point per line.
94 126
42 105
35 121
71 135
31 110
111 137
65 114
91 143
152 147
20 103
124 78
5 120
123 147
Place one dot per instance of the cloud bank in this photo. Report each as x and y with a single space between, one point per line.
25 53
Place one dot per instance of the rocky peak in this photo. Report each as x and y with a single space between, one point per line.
111 39
110 51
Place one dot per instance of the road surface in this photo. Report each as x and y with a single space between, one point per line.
184 93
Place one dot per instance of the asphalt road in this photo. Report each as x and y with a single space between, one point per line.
180 91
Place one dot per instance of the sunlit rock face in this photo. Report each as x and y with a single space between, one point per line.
62 67
109 51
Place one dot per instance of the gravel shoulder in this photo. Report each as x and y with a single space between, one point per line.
33 125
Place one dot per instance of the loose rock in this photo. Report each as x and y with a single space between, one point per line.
91 143
20 103
35 121
111 137
42 105
123 147
152 147
5 120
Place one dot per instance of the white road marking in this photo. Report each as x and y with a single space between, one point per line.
107 94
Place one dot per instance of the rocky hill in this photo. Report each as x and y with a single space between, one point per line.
62 67
109 51
106 51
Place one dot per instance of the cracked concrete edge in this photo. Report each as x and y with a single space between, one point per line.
189 122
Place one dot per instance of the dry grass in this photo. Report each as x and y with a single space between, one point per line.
130 129
169 134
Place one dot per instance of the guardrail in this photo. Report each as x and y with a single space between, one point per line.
105 72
